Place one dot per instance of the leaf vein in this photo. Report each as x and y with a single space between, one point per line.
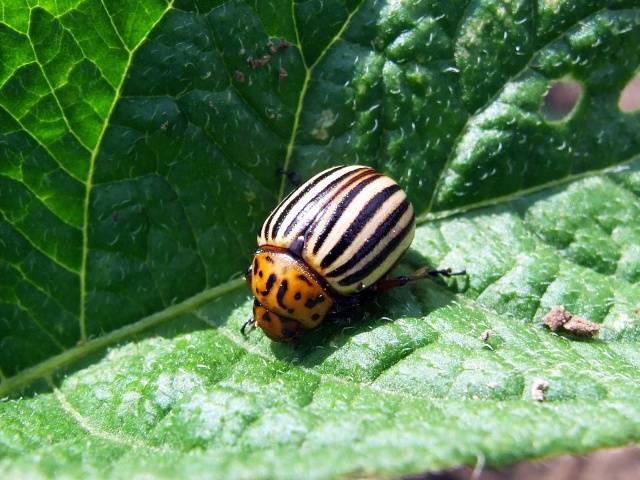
113 25
39 325
80 351
55 95
428 216
42 145
305 87
97 432
41 289
37 247
89 183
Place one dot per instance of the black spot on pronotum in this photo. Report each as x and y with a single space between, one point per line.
304 279
268 259
561 99
315 316
270 282
297 296
282 290
312 302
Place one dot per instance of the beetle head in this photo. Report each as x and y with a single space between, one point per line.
287 290
276 327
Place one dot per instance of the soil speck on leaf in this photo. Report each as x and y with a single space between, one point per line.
486 335
538 389
258 63
559 319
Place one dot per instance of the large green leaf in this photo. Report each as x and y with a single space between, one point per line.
138 156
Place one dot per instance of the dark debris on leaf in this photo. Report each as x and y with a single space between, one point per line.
486 335
539 389
560 320
257 63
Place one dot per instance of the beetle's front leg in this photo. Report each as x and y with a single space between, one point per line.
249 323
391 283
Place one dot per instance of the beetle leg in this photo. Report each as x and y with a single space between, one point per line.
251 322
445 272
391 283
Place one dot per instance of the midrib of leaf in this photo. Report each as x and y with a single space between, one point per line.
305 85
430 216
89 183
71 355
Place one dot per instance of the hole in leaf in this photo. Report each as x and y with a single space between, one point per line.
630 96
561 99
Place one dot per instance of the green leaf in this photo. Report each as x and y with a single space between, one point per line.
138 158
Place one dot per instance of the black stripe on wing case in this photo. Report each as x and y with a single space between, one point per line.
381 232
267 225
299 194
358 224
378 259
342 206
327 198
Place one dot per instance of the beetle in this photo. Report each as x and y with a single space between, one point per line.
327 248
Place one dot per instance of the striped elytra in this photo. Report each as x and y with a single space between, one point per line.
349 224
325 246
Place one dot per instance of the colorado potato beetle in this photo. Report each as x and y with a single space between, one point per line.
327 247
